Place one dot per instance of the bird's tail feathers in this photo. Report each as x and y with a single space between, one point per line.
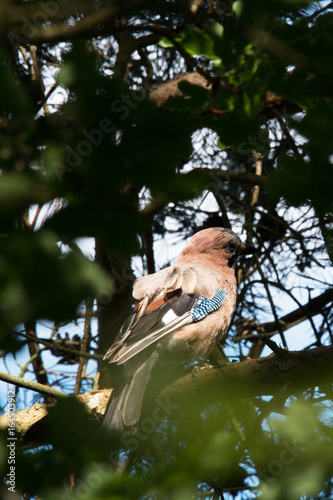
125 407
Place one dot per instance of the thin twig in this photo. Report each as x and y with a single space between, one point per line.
61 348
84 345
33 386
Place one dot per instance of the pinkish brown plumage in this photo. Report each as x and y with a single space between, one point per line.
183 308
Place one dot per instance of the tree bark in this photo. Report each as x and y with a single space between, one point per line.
258 377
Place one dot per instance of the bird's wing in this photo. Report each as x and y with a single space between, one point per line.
170 299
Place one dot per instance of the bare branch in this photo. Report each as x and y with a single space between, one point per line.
33 386
313 307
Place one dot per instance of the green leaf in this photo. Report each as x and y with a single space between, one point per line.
196 42
165 43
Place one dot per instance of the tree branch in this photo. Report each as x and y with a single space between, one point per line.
50 344
257 377
22 21
313 307
229 176
36 358
30 423
33 386
212 175
85 344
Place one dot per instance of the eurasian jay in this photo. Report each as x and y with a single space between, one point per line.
183 308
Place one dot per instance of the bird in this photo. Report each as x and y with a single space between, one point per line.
183 309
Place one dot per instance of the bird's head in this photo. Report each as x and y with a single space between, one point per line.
216 243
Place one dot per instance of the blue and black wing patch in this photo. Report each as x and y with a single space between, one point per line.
204 306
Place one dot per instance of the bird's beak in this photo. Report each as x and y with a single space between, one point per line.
249 249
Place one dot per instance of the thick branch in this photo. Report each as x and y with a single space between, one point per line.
258 377
31 426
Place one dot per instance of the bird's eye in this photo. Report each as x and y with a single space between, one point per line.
231 247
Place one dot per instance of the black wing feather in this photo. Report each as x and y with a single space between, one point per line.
150 325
